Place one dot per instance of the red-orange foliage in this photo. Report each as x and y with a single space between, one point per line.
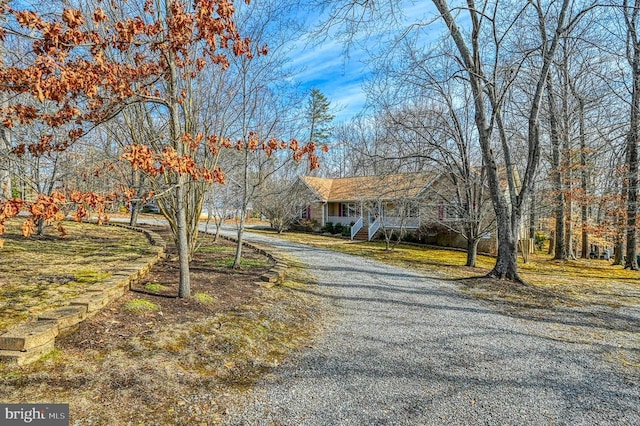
49 209
72 68
74 76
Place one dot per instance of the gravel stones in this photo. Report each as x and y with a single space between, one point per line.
404 349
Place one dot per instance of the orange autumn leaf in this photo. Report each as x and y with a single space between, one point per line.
28 228
72 17
81 213
61 230
99 16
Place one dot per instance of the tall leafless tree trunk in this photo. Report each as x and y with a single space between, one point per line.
5 138
5 166
532 213
180 214
633 56
560 249
508 212
584 180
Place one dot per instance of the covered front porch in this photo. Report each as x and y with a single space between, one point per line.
370 217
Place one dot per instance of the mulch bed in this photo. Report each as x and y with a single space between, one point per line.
229 289
185 361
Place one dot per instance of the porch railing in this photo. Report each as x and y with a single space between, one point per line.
356 227
373 228
345 220
397 222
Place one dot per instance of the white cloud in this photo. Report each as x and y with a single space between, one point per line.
324 66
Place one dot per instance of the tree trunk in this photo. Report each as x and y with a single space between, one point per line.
633 56
182 242
506 266
632 167
181 232
567 170
387 240
617 260
472 252
532 214
507 212
238 257
584 182
506 262
560 248
585 234
135 210
5 183
5 170
243 213
136 204
41 226
218 223
5 143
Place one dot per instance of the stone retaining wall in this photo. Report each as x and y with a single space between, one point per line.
29 341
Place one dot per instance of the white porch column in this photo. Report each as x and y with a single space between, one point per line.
325 212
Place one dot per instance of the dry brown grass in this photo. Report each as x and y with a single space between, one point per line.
579 282
171 373
182 361
38 273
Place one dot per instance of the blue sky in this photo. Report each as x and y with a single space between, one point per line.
340 77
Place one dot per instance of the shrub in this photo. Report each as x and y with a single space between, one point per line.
346 231
304 225
411 237
307 225
337 228
328 227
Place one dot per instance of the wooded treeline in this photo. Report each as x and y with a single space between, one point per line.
538 99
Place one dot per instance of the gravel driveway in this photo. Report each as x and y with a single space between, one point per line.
404 349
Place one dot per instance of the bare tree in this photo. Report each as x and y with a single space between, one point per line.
486 91
282 200
490 74
631 14
260 111
432 129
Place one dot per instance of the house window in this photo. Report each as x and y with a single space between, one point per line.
449 211
452 212
349 210
413 210
306 213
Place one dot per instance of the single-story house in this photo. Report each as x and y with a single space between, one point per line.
414 201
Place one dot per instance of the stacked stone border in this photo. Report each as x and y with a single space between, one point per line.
29 341
278 272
